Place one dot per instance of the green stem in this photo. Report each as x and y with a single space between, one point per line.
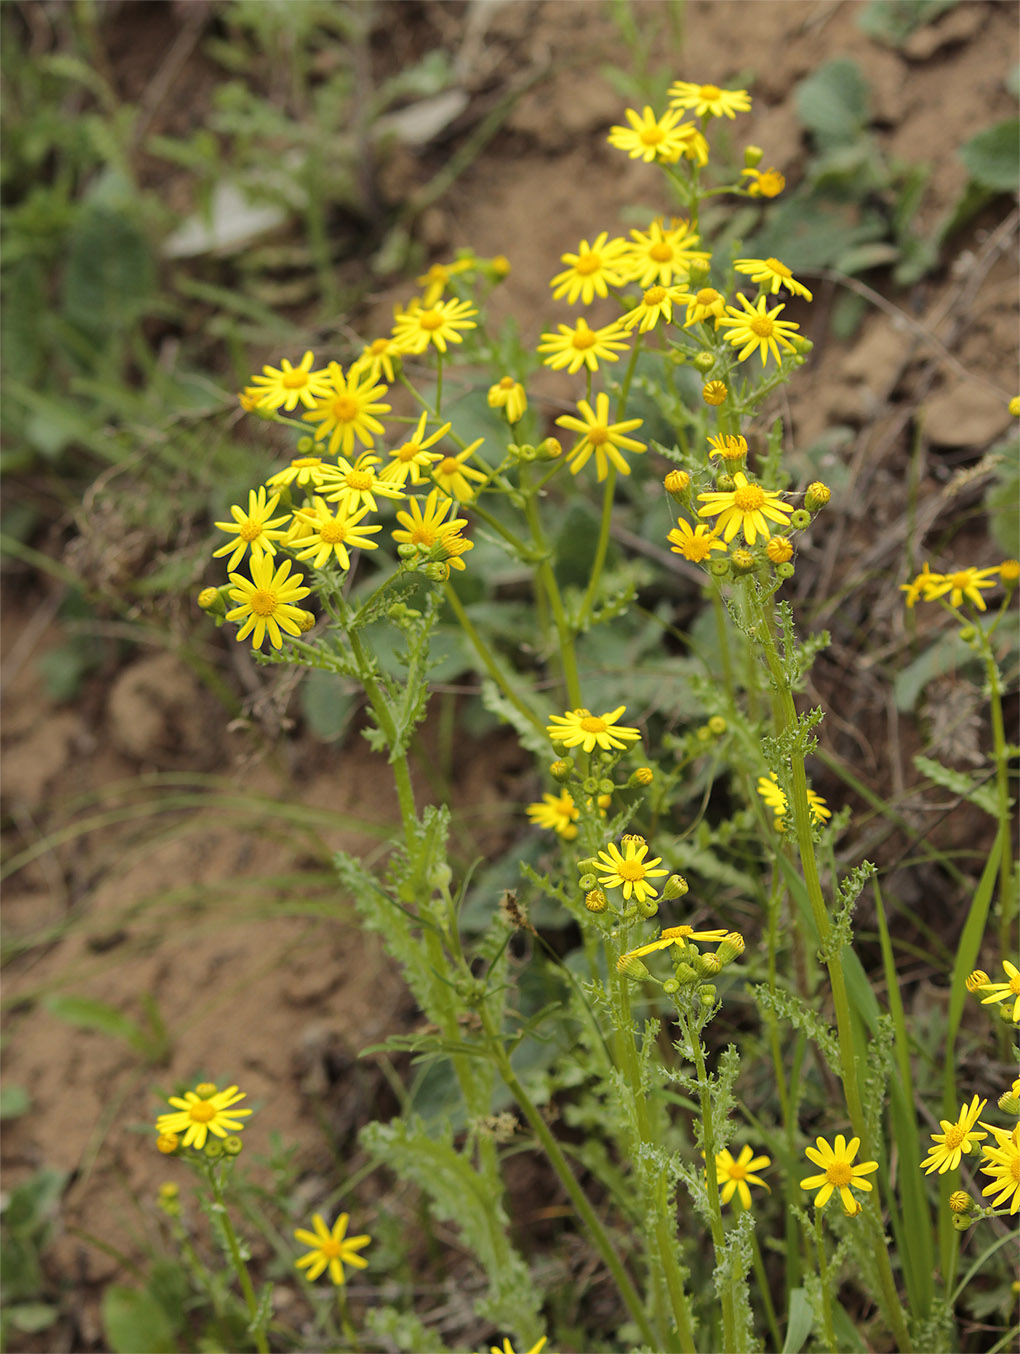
1000 754
236 1260
823 1277
381 710
601 548
763 1289
564 633
487 657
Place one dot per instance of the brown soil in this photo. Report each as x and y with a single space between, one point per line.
277 995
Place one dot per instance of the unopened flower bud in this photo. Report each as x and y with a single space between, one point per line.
719 568
779 549
305 446
232 1145
167 1143
753 156
407 550
708 965
209 599
631 967
853 1209
587 866
670 986
648 907
1006 1016
527 452
706 996
213 1149
715 393
703 734
205 1090
744 561
976 980
785 570
675 887
960 1222
816 496
549 449
644 775
587 882
704 361
438 571
1014 406
634 837
306 621
1009 1103
606 787
730 947
498 267
677 484
168 1190
604 801
697 271
440 876
1009 572
800 518
968 634
960 1201
802 345
595 900
561 770
718 725
685 973
725 484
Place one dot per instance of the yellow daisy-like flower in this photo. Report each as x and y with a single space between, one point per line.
706 303
452 547
956 1140
757 328
745 508
736 1174
428 527
838 1172
356 485
960 584
696 545
629 870
730 446
661 255
439 324
656 304
330 537
774 797
348 409
377 360
591 271
198 1115
582 729
266 602
1002 1163
607 440
330 1249
255 529
508 395
285 387
507 1347
770 275
307 472
709 100
413 456
437 279
650 138
556 813
764 182
583 346
1007 991
452 474
673 935
917 588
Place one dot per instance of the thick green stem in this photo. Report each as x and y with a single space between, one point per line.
601 548
237 1261
564 632
823 1277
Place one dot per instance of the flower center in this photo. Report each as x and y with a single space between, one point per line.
839 1174
661 252
345 408
304 462
1014 986
655 296
774 266
294 380
592 724
584 338
588 263
675 932
631 869
449 465
762 326
651 136
423 536
597 434
430 319
332 1250
358 479
508 382
749 498
203 1111
709 91
263 603
250 530
961 578
954 1137
697 548
736 1171
331 533
405 453
707 296
378 346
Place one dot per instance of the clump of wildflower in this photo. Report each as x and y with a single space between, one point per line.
583 346
556 813
580 728
755 328
1008 991
591 271
331 1249
629 869
266 602
347 410
607 440
649 138
956 1140
745 508
285 387
734 1174
838 1172
508 395
201 1112
438 325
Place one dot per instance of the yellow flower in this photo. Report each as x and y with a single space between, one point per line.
1009 572
591 271
509 1349
1002 1163
838 1172
582 729
439 324
730 446
348 410
582 346
764 182
355 486
305 472
1014 406
607 440
629 870
255 529
657 303
715 392
960 584
696 545
675 935
428 527
330 1249
1007 991
556 813
735 1175
919 586
650 138
956 1140
758 328
413 456
199 1115
508 394
452 474
452 547
437 279
285 387
770 275
774 797
709 100
661 255
745 508
330 536
377 360
780 551
704 303
267 602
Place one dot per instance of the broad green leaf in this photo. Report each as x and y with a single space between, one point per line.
31 1317
14 1101
87 1013
135 1322
327 703
799 1322
992 157
833 102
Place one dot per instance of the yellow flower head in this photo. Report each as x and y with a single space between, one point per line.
413 456
756 328
439 324
734 1175
356 485
331 1249
696 545
745 508
661 254
1002 1163
304 471
1008 991
650 138
764 182
656 304
508 395
956 1140
918 587
774 797
507 1347
730 446
377 358
715 392
770 275
607 440
591 271
706 303
196 1116
347 410
556 813
256 529
960 584
285 387
437 279
266 603
838 1172
709 100
580 728
583 346
676 935
452 474
431 526
331 537
629 870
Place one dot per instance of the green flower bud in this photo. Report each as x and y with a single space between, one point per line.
606 786
753 156
632 967
960 1222
801 344
730 948
407 551
232 1145
718 725
209 599
213 1149
595 900
586 866
648 907
561 770
305 446
744 561
643 776
586 882
704 362
816 496
676 886
670 986
1009 1104
708 965
786 570
706 996
549 449
719 568
725 484
686 974
800 518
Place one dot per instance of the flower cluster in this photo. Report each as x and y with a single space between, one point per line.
198 1113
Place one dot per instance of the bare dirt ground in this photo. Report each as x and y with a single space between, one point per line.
278 996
